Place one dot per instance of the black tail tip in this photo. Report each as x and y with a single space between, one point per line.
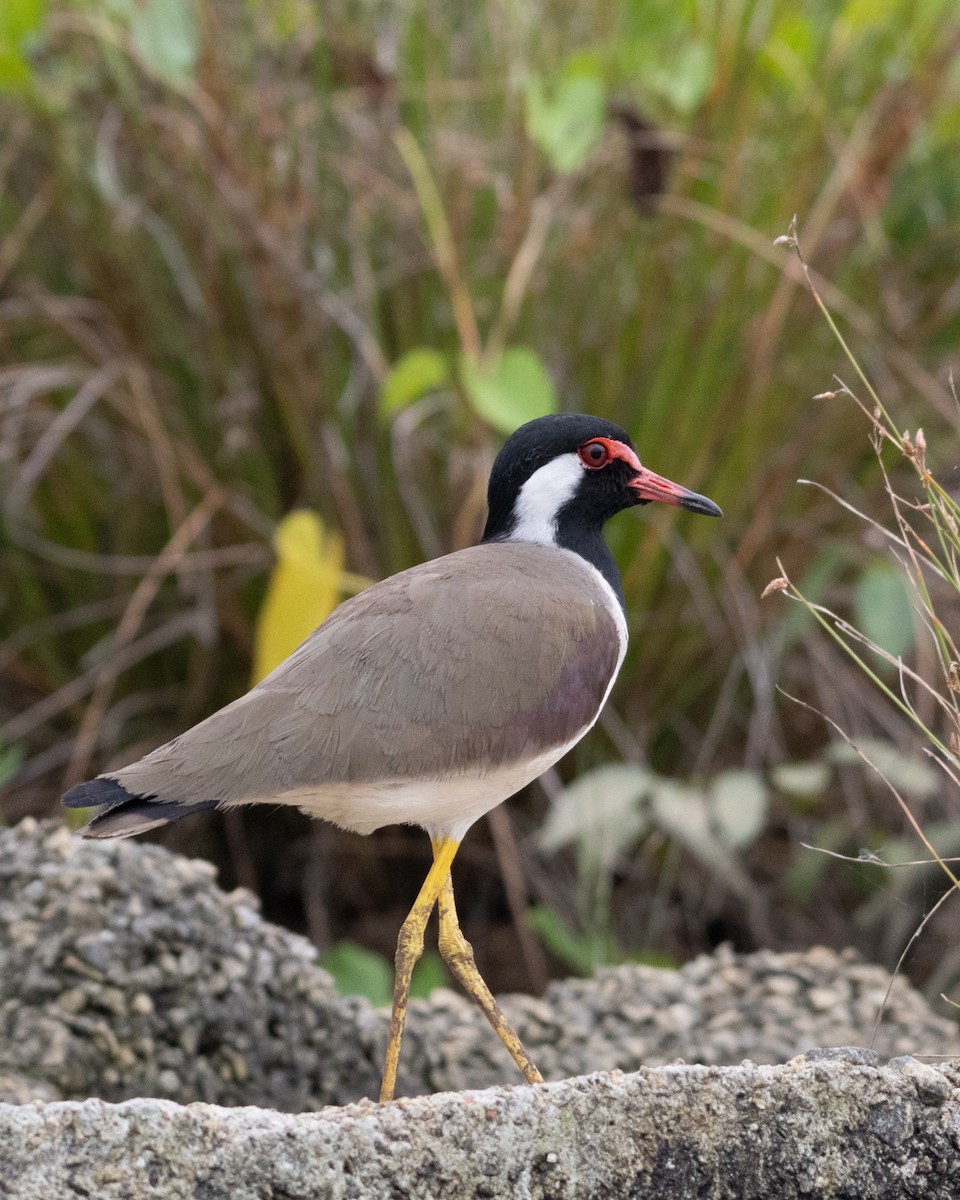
122 813
96 793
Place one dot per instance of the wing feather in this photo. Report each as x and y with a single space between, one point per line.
432 672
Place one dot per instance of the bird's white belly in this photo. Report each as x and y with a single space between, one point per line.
443 807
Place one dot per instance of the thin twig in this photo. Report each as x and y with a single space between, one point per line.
441 239
511 871
178 626
126 630
53 437
903 957
542 215
904 807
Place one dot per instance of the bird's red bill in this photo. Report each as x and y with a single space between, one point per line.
652 487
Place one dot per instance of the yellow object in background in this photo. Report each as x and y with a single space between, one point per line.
303 591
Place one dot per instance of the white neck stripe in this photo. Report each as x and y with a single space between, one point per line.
542 497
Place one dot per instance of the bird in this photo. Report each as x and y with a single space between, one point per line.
434 695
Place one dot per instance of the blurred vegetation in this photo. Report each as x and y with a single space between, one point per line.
922 532
264 256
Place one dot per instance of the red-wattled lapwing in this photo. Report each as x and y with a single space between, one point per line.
434 695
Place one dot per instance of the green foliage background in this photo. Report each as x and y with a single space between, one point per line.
269 254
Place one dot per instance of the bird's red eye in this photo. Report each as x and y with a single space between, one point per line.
594 454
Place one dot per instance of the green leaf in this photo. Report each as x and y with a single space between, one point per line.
359 972
567 124
944 835
684 812
794 31
602 811
579 951
682 77
15 72
800 778
738 807
20 18
428 975
883 608
166 34
680 810
689 78
914 776
516 389
862 15
286 19
413 375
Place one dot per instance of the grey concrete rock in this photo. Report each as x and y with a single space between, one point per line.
813 1128
125 971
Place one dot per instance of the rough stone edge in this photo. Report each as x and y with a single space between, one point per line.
830 1123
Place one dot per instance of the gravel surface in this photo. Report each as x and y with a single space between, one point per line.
125 971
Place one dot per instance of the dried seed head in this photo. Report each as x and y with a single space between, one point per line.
921 443
953 677
780 584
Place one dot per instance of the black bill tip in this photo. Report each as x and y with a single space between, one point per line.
693 502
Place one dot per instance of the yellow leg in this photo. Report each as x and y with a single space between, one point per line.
409 949
457 953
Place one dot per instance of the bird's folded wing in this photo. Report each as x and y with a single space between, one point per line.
477 660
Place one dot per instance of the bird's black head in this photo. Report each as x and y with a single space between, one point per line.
559 478
572 470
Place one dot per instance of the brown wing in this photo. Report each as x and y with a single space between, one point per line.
485 658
